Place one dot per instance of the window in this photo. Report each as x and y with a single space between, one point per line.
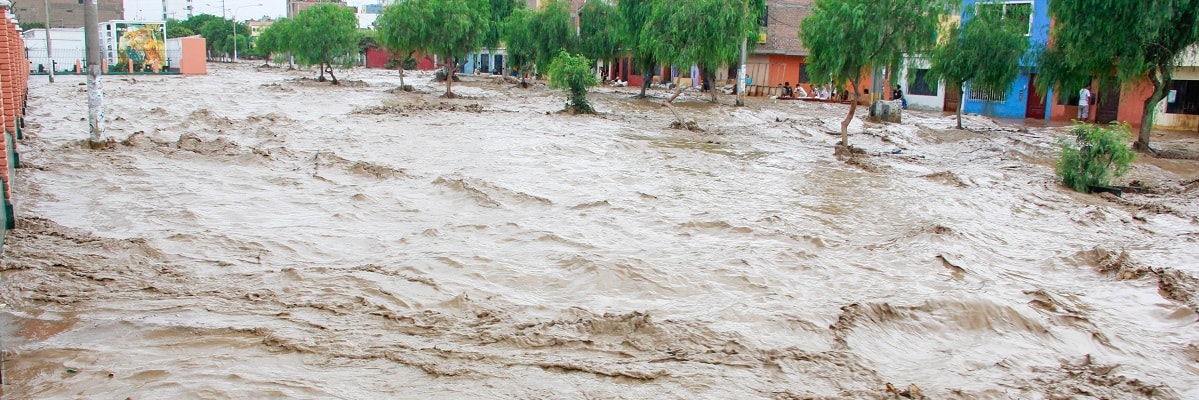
1186 98
1019 13
803 73
988 94
921 86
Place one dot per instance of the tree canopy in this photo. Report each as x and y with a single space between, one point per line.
500 10
396 29
321 33
600 26
848 37
985 50
518 37
636 14
274 39
450 29
1129 41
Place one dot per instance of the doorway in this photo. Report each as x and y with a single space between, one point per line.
1109 102
1036 100
953 98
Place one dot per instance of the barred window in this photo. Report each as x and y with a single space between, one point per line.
922 86
988 94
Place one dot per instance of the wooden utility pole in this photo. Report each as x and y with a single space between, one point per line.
95 91
741 73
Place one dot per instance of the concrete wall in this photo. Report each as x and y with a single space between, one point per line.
933 102
194 59
1179 121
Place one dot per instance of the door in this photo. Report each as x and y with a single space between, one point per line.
1036 101
953 98
1109 103
499 64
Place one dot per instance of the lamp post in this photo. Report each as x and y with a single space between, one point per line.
235 26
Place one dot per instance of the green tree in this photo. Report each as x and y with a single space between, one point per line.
33 25
707 33
518 36
1138 40
196 22
1093 155
573 73
599 30
848 37
451 29
322 33
500 10
218 35
396 30
636 14
552 32
174 31
274 39
985 51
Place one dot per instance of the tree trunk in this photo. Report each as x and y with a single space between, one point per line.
961 103
331 73
1159 93
450 68
645 81
322 78
711 77
853 108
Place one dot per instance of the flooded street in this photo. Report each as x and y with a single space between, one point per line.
254 235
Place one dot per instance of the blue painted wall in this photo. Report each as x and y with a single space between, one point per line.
1017 95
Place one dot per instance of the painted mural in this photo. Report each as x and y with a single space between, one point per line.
141 45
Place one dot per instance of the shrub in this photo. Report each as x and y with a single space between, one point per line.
1094 155
573 73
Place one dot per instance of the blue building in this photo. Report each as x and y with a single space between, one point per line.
1021 100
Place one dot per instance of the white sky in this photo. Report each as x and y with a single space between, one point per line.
242 9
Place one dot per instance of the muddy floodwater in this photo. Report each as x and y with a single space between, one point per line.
255 234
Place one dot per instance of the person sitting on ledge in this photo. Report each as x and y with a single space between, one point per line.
788 92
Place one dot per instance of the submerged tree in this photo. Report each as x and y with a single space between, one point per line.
599 30
518 36
322 33
985 51
847 37
450 29
707 33
635 14
274 39
1139 40
1093 155
397 32
573 73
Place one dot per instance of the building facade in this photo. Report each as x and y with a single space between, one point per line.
66 13
1021 99
295 6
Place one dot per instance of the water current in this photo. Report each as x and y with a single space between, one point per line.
255 235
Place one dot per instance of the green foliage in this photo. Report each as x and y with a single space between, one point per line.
600 26
174 31
196 22
985 51
635 15
321 34
1093 156
33 25
367 39
500 10
847 37
450 29
707 33
217 35
1139 40
573 73
518 36
274 39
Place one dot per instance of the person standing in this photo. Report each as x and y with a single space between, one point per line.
897 94
1084 103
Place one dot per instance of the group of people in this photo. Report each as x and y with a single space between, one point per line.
798 92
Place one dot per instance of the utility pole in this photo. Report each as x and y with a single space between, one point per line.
741 73
49 53
95 92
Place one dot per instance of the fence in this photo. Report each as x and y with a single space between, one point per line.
74 61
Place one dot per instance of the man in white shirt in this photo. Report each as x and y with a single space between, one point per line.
1084 103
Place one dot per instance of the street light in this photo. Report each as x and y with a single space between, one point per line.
235 26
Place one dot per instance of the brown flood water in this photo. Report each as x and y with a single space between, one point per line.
256 236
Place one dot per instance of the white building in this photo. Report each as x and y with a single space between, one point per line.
67 43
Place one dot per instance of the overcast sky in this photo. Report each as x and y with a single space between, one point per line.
242 9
